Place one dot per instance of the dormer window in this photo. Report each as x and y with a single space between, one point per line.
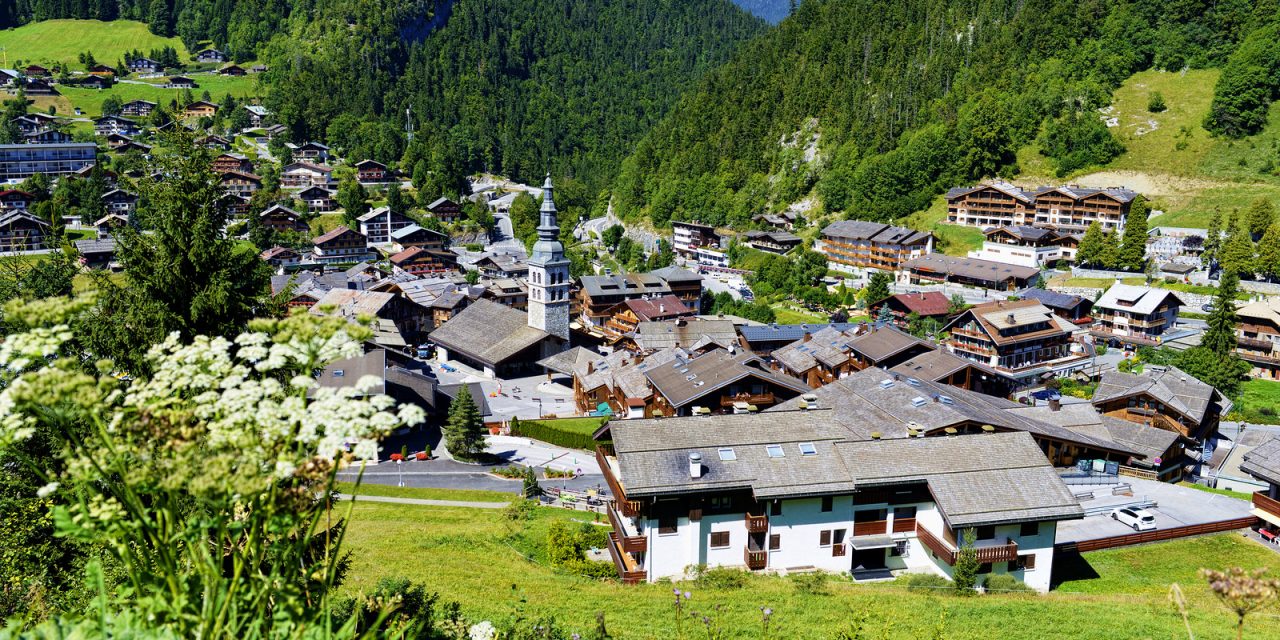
775 451
808 449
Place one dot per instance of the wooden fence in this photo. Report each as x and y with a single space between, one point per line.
1156 536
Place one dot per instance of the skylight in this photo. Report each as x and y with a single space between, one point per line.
727 454
807 449
774 450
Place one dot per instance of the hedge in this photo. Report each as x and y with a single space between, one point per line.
571 433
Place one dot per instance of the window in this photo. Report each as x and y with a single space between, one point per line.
837 536
986 533
774 450
807 449
827 503
1027 562
824 538
721 503
1029 529
719 539
667 523
899 549
904 513
727 455
775 541
775 508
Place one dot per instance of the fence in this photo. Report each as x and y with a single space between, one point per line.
1156 536
574 500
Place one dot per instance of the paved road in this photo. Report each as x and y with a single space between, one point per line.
430 503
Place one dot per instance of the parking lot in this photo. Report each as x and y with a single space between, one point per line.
1175 507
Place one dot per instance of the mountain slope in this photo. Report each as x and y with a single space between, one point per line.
517 87
771 11
879 106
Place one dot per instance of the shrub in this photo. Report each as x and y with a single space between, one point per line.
1155 102
1004 583
720 577
1100 349
927 582
508 472
520 510
572 433
813 584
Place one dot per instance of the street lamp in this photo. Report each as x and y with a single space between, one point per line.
400 472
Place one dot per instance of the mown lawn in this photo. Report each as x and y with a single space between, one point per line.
90 100
785 314
492 567
382 490
953 240
1222 492
1255 396
63 40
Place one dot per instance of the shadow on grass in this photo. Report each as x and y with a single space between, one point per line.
1070 566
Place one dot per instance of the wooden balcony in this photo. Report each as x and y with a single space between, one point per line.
1268 504
1256 344
755 560
630 544
629 508
757 524
749 398
629 571
870 528
904 525
986 554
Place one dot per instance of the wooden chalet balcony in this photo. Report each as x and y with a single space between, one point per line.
749 398
757 524
629 571
755 559
903 525
629 508
986 555
1254 343
630 544
870 528
961 331
1268 504
972 348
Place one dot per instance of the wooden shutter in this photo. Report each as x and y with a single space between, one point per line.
775 541
824 538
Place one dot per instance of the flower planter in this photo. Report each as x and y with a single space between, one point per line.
395 457
421 455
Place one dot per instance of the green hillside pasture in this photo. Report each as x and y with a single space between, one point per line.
53 41
494 567
90 100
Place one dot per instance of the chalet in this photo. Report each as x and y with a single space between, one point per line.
693 240
38 87
818 358
380 223
200 109
97 254
1000 204
210 56
885 347
117 140
9 77
35 71
281 256
310 151
444 298
131 146
371 171
282 219
234 205
257 114
1135 315
27 125
849 244
107 125
764 339
688 334
47 137
1165 398
22 231
13 199
1072 308
102 70
684 284
340 245
415 236
501 265
120 201
232 70
1263 463
398 321
944 367
600 294
1257 336
145 65
783 221
318 199
274 131
1027 246
180 82
106 225
96 82
239 183
1021 339
508 292
937 268
300 175
625 316
796 492
445 210
137 108
215 142
495 339
425 262
232 162
772 241
905 306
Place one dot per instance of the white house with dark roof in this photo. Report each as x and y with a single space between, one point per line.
796 491
1263 463
1135 315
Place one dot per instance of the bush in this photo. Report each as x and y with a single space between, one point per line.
508 472
1155 102
572 433
720 577
930 582
1100 349
1005 583
812 584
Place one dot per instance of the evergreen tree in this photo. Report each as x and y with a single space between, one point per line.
395 199
1090 251
1269 253
354 200
464 428
1220 334
965 573
1212 241
1133 249
1214 360
1261 214
1109 257
1236 254
878 287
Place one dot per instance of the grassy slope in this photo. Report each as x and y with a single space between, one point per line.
471 556
90 100
1256 394
63 40
953 240
389 491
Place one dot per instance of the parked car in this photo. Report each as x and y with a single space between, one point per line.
1207 307
1138 519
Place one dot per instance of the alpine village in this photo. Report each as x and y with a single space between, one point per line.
639 319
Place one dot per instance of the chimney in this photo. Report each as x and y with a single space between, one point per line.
808 336
591 368
1055 404
1009 318
695 465
662 308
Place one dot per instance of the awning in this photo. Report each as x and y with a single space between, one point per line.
1267 515
603 409
873 542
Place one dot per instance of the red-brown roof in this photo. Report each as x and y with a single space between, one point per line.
14 192
337 231
658 308
407 254
928 303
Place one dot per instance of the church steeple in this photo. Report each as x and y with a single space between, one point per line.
548 225
549 272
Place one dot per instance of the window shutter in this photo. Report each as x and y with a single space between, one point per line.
824 538
775 541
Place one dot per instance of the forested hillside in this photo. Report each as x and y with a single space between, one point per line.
517 87
772 11
879 106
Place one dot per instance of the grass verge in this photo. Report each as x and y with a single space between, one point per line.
388 491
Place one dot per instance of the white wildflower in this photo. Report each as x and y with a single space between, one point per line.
47 490
482 631
366 450
284 469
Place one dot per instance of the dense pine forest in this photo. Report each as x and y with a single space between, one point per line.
882 105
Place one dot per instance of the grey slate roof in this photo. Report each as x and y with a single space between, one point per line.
1053 299
1172 386
788 332
886 342
488 332
874 232
687 380
566 361
1134 299
1264 461
827 346
973 268
1083 419
676 274
685 333
630 284
936 365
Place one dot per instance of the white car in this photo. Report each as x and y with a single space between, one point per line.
1139 519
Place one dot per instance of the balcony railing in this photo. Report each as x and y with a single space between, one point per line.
629 570
755 560
904 525
1268 504
1255 343
630 544
985 554
757 524
870 528
629 508
749 398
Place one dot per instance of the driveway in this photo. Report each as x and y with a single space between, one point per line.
448 474
1175 507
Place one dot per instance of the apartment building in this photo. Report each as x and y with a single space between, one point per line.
1021 339
854 243
21 161
1027 246
998 204
1258 336
1135 315
688 237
